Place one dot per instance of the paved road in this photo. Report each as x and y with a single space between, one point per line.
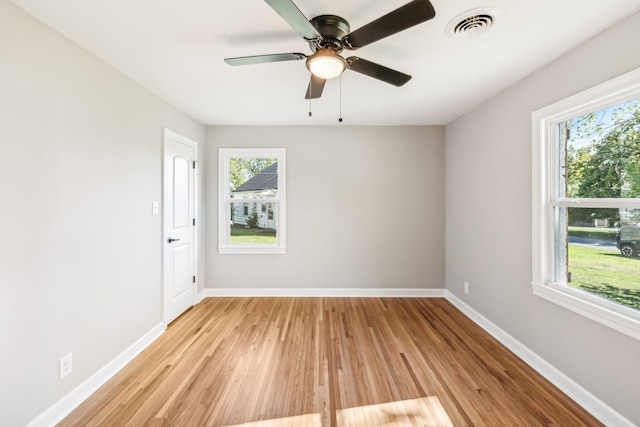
593 243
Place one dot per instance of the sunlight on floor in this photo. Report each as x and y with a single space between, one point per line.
425 411
310 420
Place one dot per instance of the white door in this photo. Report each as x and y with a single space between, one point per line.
179 225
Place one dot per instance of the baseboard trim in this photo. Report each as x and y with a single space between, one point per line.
321 292
75 397
588 401
200 296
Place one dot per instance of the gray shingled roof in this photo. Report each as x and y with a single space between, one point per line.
266 179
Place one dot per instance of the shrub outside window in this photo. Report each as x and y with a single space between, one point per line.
586 203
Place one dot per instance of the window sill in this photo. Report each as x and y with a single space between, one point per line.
227 250
619 318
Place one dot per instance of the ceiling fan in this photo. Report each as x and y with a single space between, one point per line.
328 35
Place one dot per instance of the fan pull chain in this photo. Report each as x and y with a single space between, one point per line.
340 118
310 101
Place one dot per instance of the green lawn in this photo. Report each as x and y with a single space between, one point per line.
606 273
241 235
594 233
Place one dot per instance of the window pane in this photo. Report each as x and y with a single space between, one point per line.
253 178
254 227
597 259
601 157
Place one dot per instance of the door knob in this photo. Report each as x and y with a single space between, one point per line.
171 240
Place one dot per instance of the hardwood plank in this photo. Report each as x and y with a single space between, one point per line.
285 362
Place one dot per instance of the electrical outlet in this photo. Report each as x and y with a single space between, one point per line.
466 287
66 365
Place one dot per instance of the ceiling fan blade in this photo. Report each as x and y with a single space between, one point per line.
296 20
316 85
260 59
377 71
412 13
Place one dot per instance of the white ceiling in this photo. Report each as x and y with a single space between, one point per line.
176 50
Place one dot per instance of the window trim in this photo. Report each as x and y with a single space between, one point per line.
543 124
224 246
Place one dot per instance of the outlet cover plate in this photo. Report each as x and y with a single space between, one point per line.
66 365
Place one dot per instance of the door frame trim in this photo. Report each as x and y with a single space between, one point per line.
169 134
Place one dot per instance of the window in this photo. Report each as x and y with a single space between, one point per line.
586 203
251 200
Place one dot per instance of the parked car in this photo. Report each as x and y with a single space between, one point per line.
628 240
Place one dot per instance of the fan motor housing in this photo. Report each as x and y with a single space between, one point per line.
332 28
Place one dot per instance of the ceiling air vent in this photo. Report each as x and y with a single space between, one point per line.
471 23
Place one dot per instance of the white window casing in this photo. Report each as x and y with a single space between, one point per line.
279 200
545 198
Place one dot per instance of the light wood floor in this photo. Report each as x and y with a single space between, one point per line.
290 362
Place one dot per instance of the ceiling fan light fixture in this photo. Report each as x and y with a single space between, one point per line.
326 64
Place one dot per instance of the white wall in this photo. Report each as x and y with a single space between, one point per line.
488 232
348 226
80 259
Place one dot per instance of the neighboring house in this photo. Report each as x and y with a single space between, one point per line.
263 186
629 217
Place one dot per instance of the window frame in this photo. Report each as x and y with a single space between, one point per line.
225 199
544 190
